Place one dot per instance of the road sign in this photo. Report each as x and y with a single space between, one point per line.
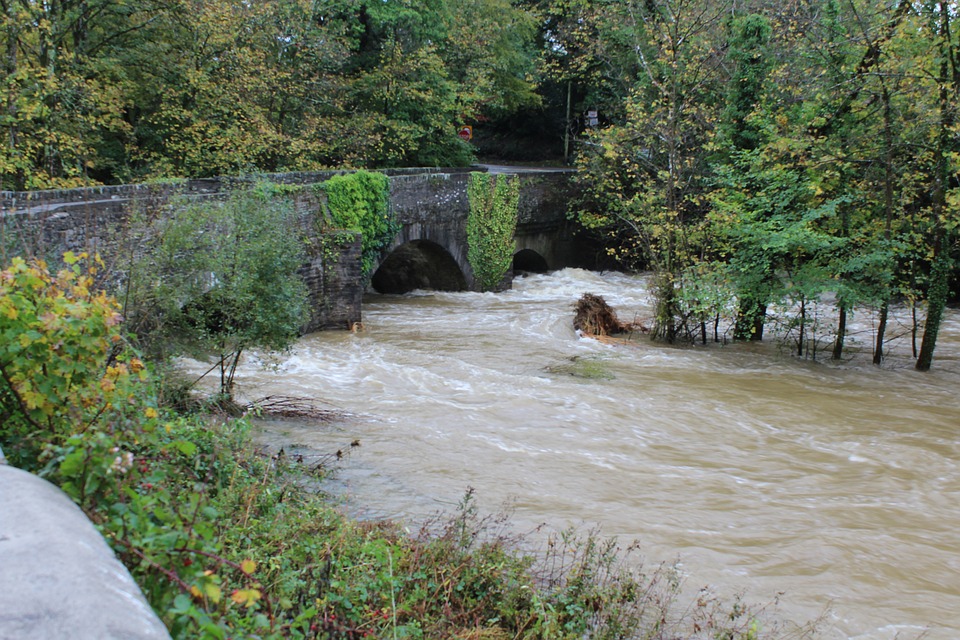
465 133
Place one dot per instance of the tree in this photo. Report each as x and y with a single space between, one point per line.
647 175
741 135
945 73
222 278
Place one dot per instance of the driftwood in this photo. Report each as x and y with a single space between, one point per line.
595 318
292 407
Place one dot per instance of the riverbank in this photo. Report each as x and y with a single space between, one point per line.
227 540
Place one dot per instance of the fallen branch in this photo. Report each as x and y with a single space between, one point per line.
293 407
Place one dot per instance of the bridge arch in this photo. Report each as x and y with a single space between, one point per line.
418 264
529 261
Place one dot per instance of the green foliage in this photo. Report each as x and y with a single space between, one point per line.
749 38
65 368
490 226
359 202
104 91
221 277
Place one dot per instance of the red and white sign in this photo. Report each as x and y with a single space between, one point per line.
466 133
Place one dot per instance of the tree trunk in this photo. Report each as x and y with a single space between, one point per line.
803 326
841 333
936 302
888 178
939 285
881 330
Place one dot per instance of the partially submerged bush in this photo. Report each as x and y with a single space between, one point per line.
221 277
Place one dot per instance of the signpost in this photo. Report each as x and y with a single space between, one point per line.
466 133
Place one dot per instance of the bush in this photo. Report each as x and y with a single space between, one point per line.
65 368
221 277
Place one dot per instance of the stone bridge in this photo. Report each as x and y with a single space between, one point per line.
429 252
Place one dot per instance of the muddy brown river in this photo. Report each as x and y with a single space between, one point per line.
836 484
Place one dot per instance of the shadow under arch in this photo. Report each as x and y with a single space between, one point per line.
418 264
529 261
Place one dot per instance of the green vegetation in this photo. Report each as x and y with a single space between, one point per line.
759 158
358 201
101 91
227 541
490 226
219 277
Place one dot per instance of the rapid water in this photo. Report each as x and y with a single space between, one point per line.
837 484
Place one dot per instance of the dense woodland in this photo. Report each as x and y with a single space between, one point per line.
753 154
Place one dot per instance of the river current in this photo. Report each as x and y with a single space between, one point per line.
836 484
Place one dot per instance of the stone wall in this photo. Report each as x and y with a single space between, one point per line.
431 205
115 221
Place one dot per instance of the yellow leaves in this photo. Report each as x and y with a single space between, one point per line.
246 597
70 258
208 587
248 566
151 413
213 592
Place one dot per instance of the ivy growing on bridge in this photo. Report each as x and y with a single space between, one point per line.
490 226
359 202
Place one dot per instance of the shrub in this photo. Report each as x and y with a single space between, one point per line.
222 277
65 368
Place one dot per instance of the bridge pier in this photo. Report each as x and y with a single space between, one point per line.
433 209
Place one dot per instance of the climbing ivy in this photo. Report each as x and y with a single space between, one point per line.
358 202
491 225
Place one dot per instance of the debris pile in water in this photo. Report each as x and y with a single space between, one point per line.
594 317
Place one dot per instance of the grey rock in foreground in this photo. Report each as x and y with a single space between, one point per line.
58 577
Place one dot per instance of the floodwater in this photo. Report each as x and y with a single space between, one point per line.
836 484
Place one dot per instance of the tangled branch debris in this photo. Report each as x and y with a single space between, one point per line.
293 407
594 317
